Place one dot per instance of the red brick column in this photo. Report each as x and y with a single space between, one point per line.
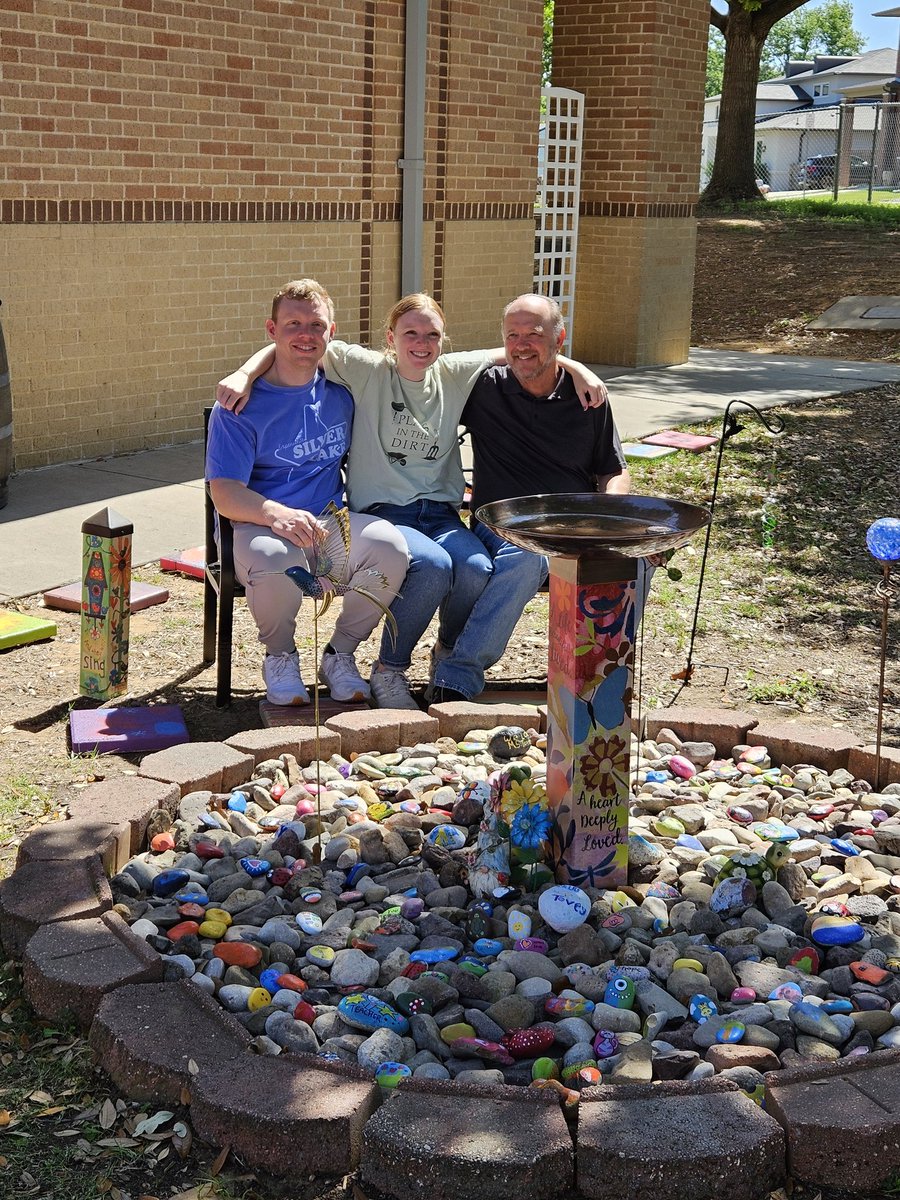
641 66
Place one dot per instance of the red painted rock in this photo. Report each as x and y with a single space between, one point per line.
414 970
280 876
293 983
238 954
182 929
529 1043
305 1012
192 912
162 841
869 973
206 850
277 790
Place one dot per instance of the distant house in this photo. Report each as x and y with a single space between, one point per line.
798 115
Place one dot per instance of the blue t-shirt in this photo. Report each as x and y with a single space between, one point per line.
287 444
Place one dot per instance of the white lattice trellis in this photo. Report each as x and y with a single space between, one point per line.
556 213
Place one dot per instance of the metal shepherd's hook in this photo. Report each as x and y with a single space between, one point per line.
730 426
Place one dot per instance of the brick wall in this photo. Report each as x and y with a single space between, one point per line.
165 164
641 67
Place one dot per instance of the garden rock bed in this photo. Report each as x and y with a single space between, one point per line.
668 980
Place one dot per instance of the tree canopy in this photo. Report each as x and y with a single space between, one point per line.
745 29
827 29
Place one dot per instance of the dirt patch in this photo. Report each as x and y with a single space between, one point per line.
758 282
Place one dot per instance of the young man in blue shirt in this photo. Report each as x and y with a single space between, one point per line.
272 472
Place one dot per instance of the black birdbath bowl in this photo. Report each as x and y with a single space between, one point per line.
594 543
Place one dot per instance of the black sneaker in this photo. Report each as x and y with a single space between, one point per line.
444 695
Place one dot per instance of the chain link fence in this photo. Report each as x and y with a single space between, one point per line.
827 149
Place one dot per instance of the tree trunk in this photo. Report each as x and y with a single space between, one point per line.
733 176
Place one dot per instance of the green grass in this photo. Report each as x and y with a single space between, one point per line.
850 208
22 796
799 690
66 1135
818 482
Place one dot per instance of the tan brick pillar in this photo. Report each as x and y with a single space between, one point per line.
641 66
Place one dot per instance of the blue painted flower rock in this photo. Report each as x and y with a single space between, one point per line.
255 866
447 837
362 1011
758 868
836 931
731 1031
510 741
489 947
389 1074
167 882
619 992
564 907
732 895
702 1008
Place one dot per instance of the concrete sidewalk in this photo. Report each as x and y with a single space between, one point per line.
161 491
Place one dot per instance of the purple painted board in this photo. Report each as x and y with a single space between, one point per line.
127 730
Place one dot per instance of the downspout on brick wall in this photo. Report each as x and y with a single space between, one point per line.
412 164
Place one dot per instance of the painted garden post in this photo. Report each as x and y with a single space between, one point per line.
589 688
105 604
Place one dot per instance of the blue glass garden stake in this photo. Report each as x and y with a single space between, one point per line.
883 543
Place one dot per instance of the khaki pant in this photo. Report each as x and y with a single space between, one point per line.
261 558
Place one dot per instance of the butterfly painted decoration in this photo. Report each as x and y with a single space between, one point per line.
330 576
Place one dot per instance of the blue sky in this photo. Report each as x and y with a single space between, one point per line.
878 31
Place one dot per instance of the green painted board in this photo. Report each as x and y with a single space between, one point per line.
16 629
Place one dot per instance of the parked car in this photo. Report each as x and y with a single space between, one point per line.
818 171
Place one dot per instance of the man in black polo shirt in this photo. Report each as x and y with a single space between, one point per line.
530 435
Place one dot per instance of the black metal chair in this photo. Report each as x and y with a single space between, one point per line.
219 591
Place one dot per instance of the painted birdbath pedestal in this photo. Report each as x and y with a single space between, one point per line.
594 543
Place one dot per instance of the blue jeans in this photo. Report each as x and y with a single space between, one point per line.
448 570
517 576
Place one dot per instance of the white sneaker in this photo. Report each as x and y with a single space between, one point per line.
390 689
340 674
284 685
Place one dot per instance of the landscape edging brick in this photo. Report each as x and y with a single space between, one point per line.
124 1064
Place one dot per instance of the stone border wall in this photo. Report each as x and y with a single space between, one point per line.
834 1126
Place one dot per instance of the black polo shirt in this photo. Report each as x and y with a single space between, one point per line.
526 445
